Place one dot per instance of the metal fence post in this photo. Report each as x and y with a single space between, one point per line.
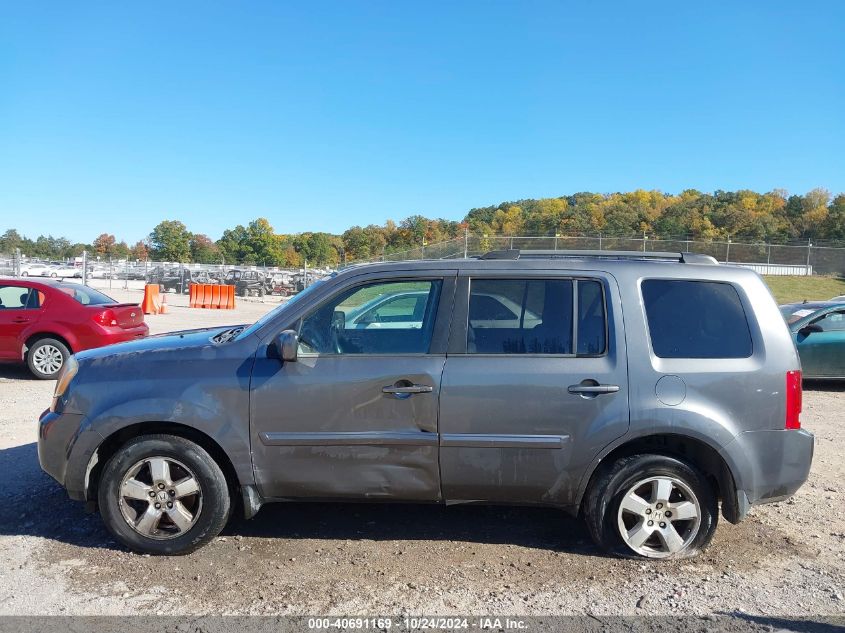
84 268
809 248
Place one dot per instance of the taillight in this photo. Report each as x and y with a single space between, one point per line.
106 317
793 400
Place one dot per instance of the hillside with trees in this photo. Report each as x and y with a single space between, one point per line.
774 217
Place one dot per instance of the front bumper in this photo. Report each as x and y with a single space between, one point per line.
770 465
65 447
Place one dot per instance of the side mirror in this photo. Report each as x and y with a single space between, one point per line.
810 328
287 346
339 321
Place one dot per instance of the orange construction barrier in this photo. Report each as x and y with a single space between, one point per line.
212 296
206 295
215 296
152 301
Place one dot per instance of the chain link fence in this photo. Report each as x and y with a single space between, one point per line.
174 276
775 259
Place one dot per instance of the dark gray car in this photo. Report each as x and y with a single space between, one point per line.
636 390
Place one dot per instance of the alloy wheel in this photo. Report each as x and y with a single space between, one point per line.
160 498
659 517
47 359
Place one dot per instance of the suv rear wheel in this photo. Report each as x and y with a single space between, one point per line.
163 494
652 506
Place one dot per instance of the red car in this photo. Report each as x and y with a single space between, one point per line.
43 322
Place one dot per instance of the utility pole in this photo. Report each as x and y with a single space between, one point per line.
645 237
728 253
466 241
557 235
84 268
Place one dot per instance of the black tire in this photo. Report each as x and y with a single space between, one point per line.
244 292
33 357
610 486
215 497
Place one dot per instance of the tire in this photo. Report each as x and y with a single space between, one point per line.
244 292
53 275
203 514
640 482
24 274
46 357
261 292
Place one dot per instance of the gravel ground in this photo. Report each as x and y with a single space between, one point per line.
786 559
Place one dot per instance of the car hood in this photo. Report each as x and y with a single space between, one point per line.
182 340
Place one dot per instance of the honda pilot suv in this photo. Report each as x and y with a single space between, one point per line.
644 392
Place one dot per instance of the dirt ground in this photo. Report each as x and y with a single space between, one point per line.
785 559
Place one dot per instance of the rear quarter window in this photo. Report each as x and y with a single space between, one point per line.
695 319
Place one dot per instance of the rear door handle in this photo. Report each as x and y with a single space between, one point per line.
593 389
20 320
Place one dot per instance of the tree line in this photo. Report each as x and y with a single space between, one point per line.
743 215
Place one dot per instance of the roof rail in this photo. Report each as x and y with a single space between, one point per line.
684 258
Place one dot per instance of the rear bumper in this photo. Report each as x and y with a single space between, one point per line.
103 336
770 465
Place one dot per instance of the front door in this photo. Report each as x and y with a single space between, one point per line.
356 415
19 309
535 384
823 353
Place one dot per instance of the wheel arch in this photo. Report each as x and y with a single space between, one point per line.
688 448
112 443
33 338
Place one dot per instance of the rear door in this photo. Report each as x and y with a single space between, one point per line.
19 310
535 383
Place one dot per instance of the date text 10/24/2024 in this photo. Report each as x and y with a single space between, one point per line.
417 623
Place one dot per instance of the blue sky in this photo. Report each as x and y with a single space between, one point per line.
321 115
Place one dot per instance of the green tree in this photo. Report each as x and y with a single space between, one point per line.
171 242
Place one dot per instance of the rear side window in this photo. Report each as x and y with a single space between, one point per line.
535 316
695 319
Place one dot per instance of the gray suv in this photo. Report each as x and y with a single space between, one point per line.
637 390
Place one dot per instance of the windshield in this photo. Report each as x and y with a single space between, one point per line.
276 311
791 314
85 295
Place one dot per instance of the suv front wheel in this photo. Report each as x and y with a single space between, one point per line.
163 494
652 506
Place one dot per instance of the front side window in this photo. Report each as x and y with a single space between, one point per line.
831 322
395 317
16 298
695 319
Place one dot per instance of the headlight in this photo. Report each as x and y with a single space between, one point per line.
65 376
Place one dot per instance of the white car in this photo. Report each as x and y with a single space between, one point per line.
35 270
63 272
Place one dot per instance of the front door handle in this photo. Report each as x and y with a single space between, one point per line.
20 320
403 388
593 389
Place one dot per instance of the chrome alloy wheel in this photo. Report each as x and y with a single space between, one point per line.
160 498
659 517
47 359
